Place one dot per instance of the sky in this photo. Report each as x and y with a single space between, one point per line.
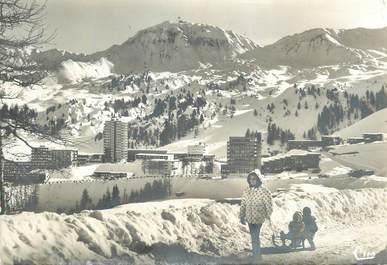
93 25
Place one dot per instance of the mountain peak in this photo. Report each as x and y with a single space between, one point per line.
322 46
176 46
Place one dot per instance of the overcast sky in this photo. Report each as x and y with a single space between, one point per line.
92 25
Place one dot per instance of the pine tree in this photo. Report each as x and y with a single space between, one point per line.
86 202
116 200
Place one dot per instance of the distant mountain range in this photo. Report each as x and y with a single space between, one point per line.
185 46
164 47
320 46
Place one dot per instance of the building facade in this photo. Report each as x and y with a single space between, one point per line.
161 167
355 140
113 171
198 149
115 141
133 152
331 140
90 158
22 173
288 162
373 137
44 158
244 154
304 144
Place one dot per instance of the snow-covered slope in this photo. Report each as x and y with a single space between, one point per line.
52 59
176 46
362 38
71 71
321 46
157 232
375 123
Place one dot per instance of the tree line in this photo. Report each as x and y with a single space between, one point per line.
158 189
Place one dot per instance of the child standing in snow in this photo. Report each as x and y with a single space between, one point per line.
256 207
310 226
296 230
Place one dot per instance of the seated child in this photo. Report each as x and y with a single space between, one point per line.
296 230
310 226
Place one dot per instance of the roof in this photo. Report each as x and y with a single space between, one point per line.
372 133
293 152
164 160
113 168
89 154
153 154
303 141
156 151
330 136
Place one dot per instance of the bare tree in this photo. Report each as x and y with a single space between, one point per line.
21 28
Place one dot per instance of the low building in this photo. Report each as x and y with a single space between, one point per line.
22 173
305 161
276 164
113 170
44 158
331 140
373 137
161 167
224 170
304 144
355 140
294 160
150 156
133 152
63 158
187 157
198 149
90 158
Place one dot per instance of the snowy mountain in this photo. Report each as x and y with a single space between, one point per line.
174 47
85 90
362 38
317 47
164 47
52 59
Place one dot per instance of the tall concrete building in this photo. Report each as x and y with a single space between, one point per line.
115 141
244 154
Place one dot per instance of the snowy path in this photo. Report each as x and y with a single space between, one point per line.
337 246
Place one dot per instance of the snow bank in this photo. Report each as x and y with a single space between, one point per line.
161 231
73 72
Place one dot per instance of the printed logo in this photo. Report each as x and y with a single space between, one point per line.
362 254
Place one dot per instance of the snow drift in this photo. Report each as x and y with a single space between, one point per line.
73 72
171 230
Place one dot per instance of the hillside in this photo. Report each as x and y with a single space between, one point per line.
322 46
362 38
83 91
376 122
